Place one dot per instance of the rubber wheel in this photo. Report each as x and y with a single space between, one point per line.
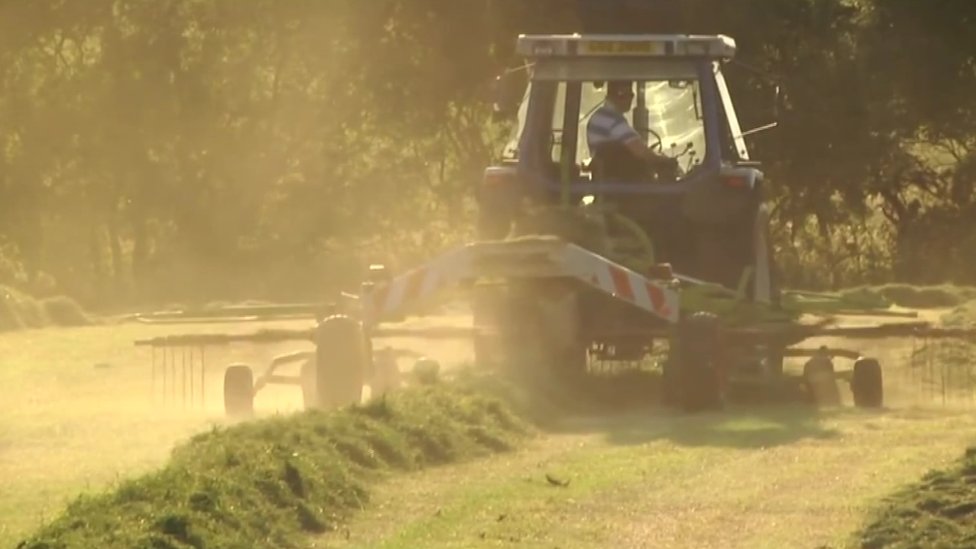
867 384
307 377
341 362
699 382
774 359
239 391
670 391
821 382
487 308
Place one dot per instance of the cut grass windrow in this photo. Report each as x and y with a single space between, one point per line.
937 512
271 483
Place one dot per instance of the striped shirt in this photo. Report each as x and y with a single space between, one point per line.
608 125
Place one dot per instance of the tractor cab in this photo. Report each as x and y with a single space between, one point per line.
698 205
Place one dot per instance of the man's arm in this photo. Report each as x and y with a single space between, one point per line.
640 149
627 135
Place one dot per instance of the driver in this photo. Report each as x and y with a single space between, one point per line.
619 153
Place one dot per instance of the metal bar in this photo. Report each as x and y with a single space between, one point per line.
172 375
165 367
277 379
183 359
203 401
152 385
267 336
189 352
843 353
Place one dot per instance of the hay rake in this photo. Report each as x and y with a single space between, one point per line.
179 375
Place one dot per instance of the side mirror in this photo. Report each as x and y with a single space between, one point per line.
508 90
777 102
777 105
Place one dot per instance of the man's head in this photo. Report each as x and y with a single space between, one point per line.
621 94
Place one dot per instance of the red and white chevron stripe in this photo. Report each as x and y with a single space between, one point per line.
561 259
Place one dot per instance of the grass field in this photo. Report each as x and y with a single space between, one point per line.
78 410
785 478
77 414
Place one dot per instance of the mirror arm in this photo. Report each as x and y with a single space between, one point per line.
758 130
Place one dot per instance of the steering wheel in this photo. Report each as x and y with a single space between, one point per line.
659 144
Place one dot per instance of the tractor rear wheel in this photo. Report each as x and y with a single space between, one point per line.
698 377
239 391
867 384
341 362
307 378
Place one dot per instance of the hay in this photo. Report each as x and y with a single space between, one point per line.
64 311
963 315
916 297
19 311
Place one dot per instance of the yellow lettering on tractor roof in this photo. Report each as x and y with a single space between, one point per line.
605 47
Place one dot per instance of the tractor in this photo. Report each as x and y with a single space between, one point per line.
579 263
690 241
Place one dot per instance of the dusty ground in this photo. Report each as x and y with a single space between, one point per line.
78 409
755 477
77 412
777 479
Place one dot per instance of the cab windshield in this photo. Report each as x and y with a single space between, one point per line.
672 121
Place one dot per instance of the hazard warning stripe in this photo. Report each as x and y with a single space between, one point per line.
569 260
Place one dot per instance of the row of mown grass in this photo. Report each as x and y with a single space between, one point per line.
916 297
273 482
937 512
19 310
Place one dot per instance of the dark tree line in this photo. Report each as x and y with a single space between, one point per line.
164 149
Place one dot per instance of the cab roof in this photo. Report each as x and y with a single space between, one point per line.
626 45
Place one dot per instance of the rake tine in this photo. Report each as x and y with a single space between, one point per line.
183 359
152 385
203 367
192 395
165 367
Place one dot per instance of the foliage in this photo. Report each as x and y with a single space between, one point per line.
269 483
158 150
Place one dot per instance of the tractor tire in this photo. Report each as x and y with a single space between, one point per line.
307 378
239 391
341 362
773 360
867 384
488 307
670 390
821 382
699 377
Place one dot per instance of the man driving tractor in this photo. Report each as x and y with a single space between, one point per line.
619 152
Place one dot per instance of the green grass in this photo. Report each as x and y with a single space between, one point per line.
777 477
939 511
274 481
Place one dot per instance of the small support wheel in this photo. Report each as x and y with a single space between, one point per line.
699 379
239 391
867 383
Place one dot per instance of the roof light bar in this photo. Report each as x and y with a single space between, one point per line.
641 45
